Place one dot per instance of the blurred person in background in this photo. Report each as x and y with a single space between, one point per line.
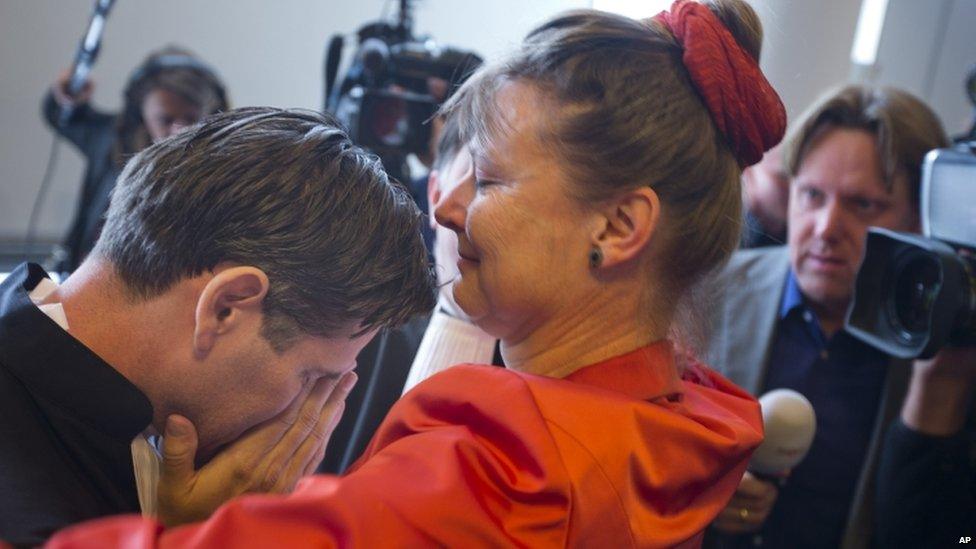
170 91
854 159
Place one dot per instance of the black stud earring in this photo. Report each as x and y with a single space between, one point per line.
596 257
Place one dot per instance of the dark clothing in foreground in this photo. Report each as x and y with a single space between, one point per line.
842 377
67 420
926 488
93 133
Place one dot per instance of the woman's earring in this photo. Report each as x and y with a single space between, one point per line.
596 257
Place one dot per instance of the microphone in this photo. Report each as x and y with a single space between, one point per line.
86 55
789 423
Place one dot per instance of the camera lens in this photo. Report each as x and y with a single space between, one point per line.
917 282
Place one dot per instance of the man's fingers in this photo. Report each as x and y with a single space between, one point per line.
330 417
749 507
313 464
762 499
753 488
312 448
728 522
739 520
255 444
332 411
179 449
301 426
755 506
290 415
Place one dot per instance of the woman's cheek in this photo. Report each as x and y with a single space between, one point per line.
489 226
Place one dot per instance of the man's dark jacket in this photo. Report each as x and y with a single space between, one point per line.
67 420
740 325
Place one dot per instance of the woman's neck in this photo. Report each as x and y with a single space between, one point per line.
596 331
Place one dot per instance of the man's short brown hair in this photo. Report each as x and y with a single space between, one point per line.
285 191
904 126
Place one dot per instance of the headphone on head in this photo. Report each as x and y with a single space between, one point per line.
165 62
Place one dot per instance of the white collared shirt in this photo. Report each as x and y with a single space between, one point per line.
145 458
449 341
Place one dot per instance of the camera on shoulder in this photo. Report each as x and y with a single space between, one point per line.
915 294
386 98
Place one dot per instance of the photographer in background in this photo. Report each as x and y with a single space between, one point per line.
926 493
389 95
168 92
854 160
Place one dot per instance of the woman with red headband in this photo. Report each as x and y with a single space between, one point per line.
606 156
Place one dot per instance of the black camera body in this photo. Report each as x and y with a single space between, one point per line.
385 99
915 294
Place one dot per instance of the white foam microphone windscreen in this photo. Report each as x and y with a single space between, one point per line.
790 423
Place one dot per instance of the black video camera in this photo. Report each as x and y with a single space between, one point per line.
915 294
386 100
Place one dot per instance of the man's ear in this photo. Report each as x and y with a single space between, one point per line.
626 225
433 195
231 295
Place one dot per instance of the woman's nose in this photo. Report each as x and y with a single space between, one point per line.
452 210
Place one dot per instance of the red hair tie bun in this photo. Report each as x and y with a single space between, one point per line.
744 106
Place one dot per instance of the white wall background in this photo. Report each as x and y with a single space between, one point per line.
926 48
268 53
271 53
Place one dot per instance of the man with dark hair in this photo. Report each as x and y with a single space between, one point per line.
243 265
854 160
